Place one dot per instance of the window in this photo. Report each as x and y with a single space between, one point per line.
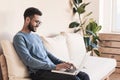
116 16
110 15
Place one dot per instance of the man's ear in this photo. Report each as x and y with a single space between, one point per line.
27 20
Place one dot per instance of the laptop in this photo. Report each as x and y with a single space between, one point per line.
74 71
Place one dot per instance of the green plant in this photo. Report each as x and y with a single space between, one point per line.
87 26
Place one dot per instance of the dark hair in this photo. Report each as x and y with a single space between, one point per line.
31 12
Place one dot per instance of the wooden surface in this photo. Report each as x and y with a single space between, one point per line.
0 70
110 47
115 76
0 73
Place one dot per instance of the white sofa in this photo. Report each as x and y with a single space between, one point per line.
66 46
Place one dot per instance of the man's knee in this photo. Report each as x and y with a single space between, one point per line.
83 76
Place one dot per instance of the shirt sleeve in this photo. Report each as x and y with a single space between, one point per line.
28 60
54 59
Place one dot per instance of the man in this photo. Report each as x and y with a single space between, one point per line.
32 52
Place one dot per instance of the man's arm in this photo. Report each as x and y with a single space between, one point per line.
59 63
28 60
54 59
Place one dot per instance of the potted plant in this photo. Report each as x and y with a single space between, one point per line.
87 26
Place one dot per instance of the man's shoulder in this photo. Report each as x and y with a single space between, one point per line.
18 35
26 35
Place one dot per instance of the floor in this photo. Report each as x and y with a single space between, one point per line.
115 76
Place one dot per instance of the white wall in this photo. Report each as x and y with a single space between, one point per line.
56 15
94 8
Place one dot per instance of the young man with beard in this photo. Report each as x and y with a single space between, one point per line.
32 52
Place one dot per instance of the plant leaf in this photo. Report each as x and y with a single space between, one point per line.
90 32
78 1
73 24
97 52
84 5
74 10
98 28
93 27
87 40
81 8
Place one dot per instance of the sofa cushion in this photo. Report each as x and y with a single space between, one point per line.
16 69
57 46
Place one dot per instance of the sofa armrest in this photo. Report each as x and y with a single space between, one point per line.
3 65
4 70
0 73
99 68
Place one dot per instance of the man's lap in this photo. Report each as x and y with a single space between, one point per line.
48 75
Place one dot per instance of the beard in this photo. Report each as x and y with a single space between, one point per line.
31 27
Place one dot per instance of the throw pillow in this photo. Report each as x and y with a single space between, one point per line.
16 68
57 46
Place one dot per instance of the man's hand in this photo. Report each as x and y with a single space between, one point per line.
65 65
72 66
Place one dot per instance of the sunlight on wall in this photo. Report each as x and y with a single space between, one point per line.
56 15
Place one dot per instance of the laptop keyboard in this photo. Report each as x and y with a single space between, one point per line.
71 70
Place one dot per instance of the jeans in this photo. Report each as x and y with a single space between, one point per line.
48 75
